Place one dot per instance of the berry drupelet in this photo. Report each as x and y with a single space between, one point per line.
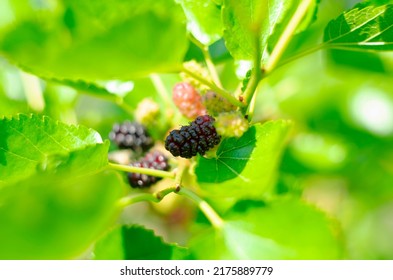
197 137
131 135
153 160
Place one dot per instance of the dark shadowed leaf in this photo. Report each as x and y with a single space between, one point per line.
245 166
136 243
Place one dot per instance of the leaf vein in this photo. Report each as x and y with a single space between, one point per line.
235 172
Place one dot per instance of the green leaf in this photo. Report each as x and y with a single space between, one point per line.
56 217
362 28
35 144
319 152
93 40
363 61
242 19
86 87
244 167
204 19
279 230
248 22
136 243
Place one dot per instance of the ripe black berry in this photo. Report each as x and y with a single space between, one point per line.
198 137
131 135
153 160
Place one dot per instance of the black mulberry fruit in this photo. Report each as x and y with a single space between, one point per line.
198 137
153 160
131 135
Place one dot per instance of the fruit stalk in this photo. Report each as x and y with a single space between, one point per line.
141 170
215 88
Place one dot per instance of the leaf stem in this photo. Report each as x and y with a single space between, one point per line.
287 35
182 165
161 89
147 171
156 197
256 76
251 108
33 91
152 197
301 54
210 66
215 88
208 59
209 212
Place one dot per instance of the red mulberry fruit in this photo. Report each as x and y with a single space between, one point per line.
188 100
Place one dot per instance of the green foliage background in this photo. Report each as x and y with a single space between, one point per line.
313 179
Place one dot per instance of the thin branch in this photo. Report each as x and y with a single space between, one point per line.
209 212
251 108
140 170
256 76
208 59
161 89
152 197
301 54
182 165
287 35
215 88
33 91
210 66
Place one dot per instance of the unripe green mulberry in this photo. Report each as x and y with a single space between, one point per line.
216 104
231 124
147 112
196 68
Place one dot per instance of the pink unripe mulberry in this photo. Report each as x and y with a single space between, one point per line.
188 100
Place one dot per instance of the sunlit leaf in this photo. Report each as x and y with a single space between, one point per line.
38 144
251 22
93 40
362 28
204 19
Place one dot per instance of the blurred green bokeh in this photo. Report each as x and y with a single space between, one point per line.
340 154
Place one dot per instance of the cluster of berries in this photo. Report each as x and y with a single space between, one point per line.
191 103
153 160
193 99
213 117
134 136
131 135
